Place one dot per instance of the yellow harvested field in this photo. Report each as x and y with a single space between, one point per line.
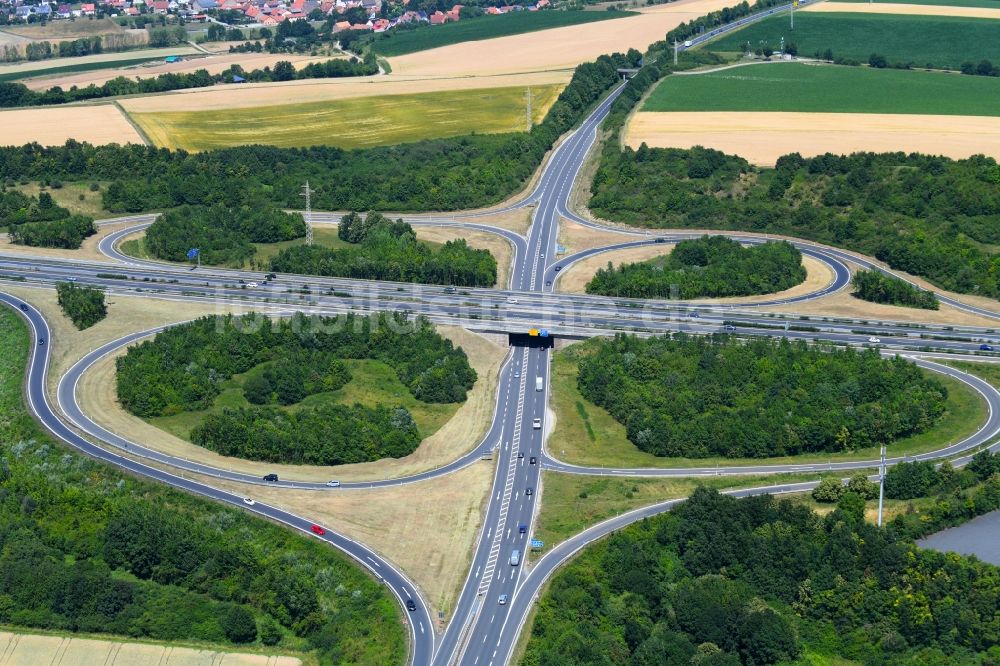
320 90
427 528
762 138
214 64
52 126
909 10
33 649
557 48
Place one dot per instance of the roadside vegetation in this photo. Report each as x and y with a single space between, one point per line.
695 396
877 287
935 42
443 174
587 434
404 39
760 581
827 89
13 94
284 406
380 249
83 305
224 234
712 266
86 548
40 222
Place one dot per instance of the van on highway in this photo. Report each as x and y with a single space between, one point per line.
515 557
539 383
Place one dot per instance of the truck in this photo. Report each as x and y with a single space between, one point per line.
539 383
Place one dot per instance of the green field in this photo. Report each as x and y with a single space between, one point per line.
943 42
372 383
400 42
78 67
828 88
353 123
586 434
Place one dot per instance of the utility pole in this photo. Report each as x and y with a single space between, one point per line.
791 13
881 484
307 193
675 51
528 113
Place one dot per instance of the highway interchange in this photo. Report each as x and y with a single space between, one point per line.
480 631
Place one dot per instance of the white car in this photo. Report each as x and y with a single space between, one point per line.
248 501
512 300
252 284
687 43
536 424
874 340
333 484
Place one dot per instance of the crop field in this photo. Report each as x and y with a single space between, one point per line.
935 3
53 126
401 42
69 69
941 41
353 123
66 29
557 48
828 89
21 70
27 649
985 10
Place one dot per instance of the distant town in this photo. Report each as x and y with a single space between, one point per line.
257 13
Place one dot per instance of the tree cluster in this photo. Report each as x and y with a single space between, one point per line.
324 435
85 548
390 251
14 94
83 305
726 582
183 367
223 234
926 215
67 233
695 27
442 174
832 489
699 396
18 208
294 378
713 266
878 287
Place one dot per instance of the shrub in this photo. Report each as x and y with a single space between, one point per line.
909 480
829 490
83 305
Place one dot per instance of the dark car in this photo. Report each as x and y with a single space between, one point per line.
270 276
730 327
41 341
519 455
558 268
528 492
660 240
533 460
411 605
548 283
24 307
985 347
270 477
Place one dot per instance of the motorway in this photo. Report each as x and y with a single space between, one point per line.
481 631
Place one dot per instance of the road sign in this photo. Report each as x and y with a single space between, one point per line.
543 333
536 543
533 332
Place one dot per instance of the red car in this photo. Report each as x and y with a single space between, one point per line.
318 530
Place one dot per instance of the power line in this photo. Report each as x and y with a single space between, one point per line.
307 193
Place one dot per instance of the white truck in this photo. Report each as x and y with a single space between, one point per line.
539 383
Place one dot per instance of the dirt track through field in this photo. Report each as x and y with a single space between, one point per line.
908 10
52 126
214 65
557 48
764 137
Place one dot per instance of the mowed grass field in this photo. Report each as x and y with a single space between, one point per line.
401 42
353 123
987 4
828 89
944 42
